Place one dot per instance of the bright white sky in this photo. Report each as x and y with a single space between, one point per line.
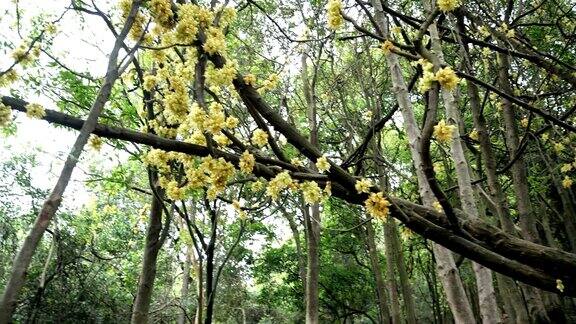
80 48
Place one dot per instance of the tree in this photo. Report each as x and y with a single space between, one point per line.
394 106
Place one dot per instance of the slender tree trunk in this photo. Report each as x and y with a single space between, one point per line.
383 313
486 293
312 218
511 296
210 287
447 271
148 273
391 273
520 184
198 269
24 256
409 307
184 290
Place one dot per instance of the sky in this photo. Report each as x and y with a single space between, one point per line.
72 48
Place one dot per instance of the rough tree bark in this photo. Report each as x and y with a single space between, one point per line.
520 184
383 313
148 272
446 267
486 293
312 216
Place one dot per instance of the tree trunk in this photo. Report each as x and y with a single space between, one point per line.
24 256
447 271
148 273
391 273
520 185
409 307
185 285
486 294
312 218
383 313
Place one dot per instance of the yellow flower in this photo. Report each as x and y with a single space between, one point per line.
377 205
149 82
428 77
222 140
447 5
250 79
566 168
558 147
187 27
296 162
95 142
387 47
474 134
270 83
161 10
280 182
511 33
8 78
311 191
238 208
260 137
443 132
436 205
322 164
173 191
335 18
447 78
215 42
231 122
247 162
559 285
524 122
545 137
258 185
363 185
35 111
5 115
567 182
328 188
484 31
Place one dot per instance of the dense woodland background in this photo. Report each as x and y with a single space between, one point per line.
258 161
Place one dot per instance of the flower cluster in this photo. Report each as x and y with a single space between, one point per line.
363 185
260 137
425 82
220 77
280 182
187 27
161 10
447 5
35 111
311 192
567 182
322 164
443 132
377 206
238 208
270 83
250 79
5 115
24 55
247 162
149 82
215 42
447 78
387 47
335 19
95 142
